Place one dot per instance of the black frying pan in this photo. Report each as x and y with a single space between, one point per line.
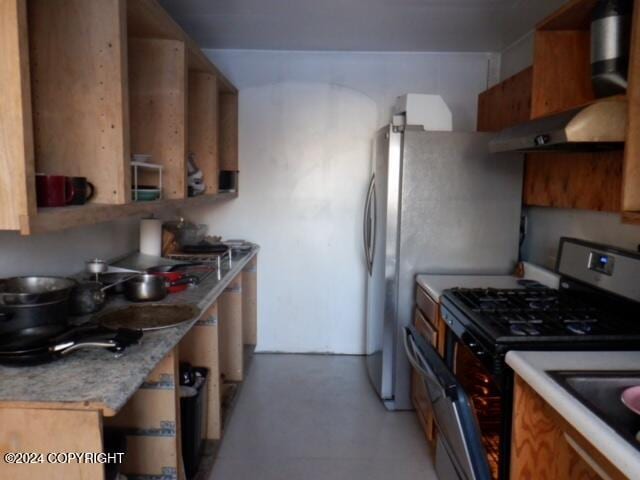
172 268
31 352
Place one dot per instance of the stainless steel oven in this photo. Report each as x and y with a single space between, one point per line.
595 308
460 451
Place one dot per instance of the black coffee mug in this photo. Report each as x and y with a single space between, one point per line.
81 190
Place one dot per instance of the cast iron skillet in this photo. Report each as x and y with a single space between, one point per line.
33 347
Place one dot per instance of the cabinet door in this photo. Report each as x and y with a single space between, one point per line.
418 390
427 306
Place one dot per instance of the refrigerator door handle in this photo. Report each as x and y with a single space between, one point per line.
374 226
366 226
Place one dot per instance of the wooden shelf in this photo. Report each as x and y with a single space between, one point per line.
147 19
83 85
158 106
203 126
55 219
80 113
631 168
561 71
228 103
573 15
560 80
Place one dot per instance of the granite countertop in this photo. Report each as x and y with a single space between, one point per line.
96 379
533 368
436 284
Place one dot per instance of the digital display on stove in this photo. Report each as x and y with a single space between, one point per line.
601 263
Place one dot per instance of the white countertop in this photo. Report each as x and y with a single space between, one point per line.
532 367
436 284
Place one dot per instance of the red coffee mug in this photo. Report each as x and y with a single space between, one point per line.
52 191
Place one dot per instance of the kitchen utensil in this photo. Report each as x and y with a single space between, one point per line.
145 195
195 177
217 248
96 266
52 191
187 232
114 281
141 157
23 350
88 297
238 245
19 317
173 268
80 189
631 399
176 281
34 290
148 317
145 288
228 180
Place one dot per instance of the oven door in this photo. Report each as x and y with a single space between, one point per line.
459 452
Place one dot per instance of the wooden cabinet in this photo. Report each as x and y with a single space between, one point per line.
545 446
507 103
85 84
430 325
559 80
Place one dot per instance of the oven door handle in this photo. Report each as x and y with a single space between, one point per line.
433 368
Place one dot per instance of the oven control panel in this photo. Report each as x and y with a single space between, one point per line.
607 268
601 263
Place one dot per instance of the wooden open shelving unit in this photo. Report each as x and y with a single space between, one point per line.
219 342
83 86
560 80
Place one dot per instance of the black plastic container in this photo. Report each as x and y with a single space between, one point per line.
193 401
228 180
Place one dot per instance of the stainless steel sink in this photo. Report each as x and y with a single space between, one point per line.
600 392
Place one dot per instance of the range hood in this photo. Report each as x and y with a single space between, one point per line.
599 126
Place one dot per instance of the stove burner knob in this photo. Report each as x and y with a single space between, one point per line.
579 328
523 330
518 330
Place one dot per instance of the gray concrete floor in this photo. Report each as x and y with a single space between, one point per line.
313 417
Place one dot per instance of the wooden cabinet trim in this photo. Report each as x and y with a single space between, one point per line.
427 305
540 448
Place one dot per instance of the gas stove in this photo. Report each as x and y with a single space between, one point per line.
509 315
596 307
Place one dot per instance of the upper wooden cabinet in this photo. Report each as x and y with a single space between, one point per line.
507 103
559 80
83 85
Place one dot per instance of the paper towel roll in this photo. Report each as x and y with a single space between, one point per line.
151 237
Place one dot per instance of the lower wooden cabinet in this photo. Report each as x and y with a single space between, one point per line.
428 322
419 394
544 445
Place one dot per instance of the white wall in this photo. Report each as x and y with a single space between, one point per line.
306 124
64 253
547 225
517 56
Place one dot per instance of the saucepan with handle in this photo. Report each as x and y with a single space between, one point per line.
153 287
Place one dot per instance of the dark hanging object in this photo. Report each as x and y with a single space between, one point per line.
610 39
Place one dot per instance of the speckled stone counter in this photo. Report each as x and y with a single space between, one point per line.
96 379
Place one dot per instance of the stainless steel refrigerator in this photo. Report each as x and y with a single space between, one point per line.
438 202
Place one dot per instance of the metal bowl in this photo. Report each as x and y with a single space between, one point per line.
35 290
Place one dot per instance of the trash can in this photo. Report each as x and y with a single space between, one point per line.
193 402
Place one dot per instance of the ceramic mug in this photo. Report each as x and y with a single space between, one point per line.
52 191
81 190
